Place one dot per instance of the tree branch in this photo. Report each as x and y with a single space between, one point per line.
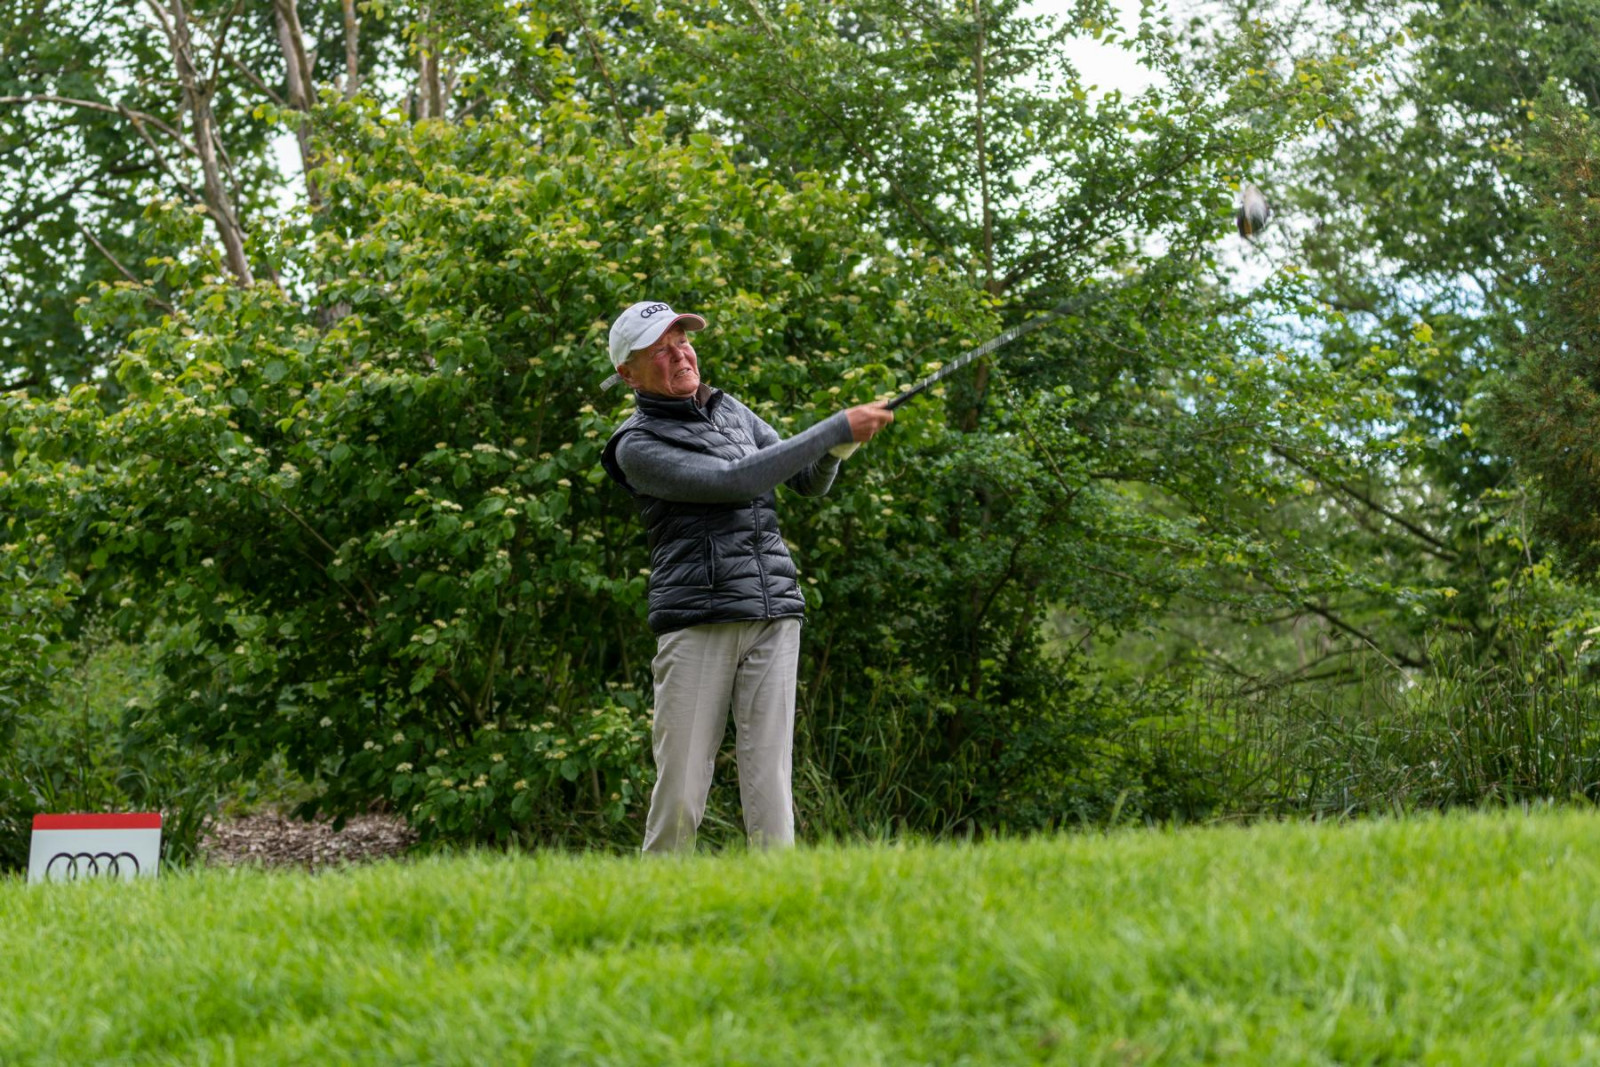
1439 548
255 80
1400 659
599 63
125 272
161 157
298 66
110 109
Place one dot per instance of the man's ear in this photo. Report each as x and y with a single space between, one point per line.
625 372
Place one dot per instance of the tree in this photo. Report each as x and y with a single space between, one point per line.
1412 214
1548 408
357 486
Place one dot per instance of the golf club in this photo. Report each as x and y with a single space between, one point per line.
1061 310
1066 307
1254 212
1070 306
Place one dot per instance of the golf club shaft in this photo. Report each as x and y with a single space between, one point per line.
982 350
1066 307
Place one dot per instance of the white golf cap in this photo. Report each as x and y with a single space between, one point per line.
642 324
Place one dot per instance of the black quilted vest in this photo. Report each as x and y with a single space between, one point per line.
708 562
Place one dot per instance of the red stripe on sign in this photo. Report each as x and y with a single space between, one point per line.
144 820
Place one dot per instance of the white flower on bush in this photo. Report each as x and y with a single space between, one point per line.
326 722
404 768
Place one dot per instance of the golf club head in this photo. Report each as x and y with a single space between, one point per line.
1254 213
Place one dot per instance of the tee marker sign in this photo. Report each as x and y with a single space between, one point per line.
66 848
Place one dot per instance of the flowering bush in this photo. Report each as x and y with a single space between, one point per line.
603 772
35 592
374 522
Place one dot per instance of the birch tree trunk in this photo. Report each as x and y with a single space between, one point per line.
197 99
430 91
352 50
299 65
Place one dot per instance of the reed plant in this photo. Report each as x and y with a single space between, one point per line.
1469 730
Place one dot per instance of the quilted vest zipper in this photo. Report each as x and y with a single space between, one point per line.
761 561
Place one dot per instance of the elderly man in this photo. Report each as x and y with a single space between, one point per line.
724 601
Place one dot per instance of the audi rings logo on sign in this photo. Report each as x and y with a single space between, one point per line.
92 865
75 848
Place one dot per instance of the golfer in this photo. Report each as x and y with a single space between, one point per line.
724 601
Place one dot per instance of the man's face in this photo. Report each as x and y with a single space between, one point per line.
666 368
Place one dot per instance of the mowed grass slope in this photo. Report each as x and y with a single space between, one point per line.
1463 940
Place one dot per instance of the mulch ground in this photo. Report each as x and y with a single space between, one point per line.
271 840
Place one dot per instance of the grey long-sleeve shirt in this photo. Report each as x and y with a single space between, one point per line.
801 462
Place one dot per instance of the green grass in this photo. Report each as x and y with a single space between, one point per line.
1458 939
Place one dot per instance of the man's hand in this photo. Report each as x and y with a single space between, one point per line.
868 419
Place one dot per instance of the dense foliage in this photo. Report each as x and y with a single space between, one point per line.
328 439
37 596
1549 410
1413 213
386 546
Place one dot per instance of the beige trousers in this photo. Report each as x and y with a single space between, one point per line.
701 673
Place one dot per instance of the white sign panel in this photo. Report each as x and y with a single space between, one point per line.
69 847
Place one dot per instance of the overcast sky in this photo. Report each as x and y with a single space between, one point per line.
1105 66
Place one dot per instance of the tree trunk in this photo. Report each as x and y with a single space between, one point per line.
197 98
430 90
352 50
298 65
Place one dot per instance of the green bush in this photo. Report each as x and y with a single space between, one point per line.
374 526
35 601
86 744
367 518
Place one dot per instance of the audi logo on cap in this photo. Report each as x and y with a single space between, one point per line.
93 864
652 310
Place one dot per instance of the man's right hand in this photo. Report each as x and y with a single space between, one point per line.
868 419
